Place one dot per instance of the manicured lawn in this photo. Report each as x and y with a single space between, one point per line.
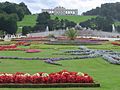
76 19
117 23
29 20
106 46
108 75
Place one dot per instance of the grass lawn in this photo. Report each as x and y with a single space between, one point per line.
108 75
30 20
76 19
117 23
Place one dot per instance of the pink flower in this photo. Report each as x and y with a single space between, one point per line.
32 51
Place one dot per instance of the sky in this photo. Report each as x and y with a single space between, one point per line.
35 6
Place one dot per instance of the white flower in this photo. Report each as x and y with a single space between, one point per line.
80 74
45 74
9 74
37 74
26 74
2 74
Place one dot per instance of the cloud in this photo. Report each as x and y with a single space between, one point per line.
35 6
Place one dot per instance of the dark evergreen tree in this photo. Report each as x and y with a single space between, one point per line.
26 30
8 23
99 23
111 10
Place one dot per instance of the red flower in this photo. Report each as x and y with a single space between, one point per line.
41 77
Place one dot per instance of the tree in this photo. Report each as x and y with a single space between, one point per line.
18 9
99 23
8 23
43 20
69 24
24 8
108 10
57 23
26 30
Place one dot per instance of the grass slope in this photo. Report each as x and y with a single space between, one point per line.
107 74
117 23
30 20
76 19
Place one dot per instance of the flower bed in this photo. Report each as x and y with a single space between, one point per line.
32 51
31 39
13 49
115 43
7 47
23 43
10 48
75 42
44 79
112 59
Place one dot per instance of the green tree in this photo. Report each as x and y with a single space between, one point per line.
26 30
43 18
69 24
8 23
18 9
25 8
108 10
99 23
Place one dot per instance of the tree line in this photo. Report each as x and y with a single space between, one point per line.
107 15
109 10
44 20
10 13
98 23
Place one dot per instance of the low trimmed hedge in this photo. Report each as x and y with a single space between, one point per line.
55 85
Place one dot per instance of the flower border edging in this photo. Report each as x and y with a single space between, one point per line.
55 85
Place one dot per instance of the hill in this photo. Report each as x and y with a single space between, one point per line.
110 10
76 19
30 20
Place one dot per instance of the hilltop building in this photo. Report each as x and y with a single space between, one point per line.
61 11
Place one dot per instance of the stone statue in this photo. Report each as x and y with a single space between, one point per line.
7 38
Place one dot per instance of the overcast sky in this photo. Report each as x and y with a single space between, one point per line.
35 6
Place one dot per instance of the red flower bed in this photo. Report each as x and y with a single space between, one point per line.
32 51
10 48
42 78
7 47
23 43
116 43
32 39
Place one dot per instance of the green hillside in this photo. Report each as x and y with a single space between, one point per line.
76 19
117 23
30 20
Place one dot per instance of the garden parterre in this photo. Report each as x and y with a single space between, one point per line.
84 65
